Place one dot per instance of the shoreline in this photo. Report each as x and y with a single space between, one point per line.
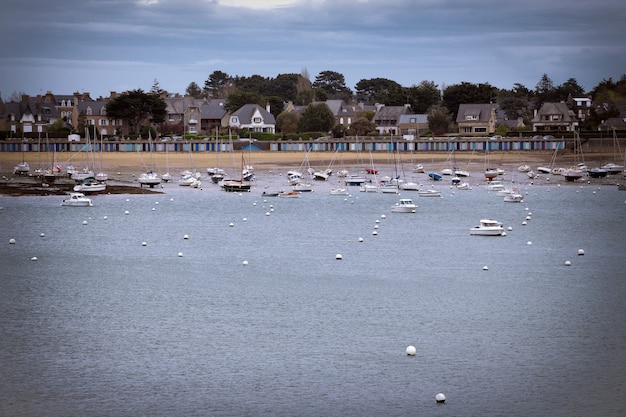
124 168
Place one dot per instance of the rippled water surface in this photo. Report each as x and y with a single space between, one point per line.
101 324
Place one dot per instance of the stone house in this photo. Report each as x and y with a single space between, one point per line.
387 118
554 116
476 119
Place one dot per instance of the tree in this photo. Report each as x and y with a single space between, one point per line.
156 89
137 107
334 84
423 96
545 91
316 118
361 127
237 100
439 120
218 85
193 90
287 122
376 90
456 94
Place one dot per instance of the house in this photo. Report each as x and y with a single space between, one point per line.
213 114
94 113
554 116
344 114
29 116
254 118
476 119
412 124
186 111
581 107
387 118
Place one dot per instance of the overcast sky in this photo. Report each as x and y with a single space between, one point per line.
99 46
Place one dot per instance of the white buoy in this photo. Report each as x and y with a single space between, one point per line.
245 263
440 398
42 235
126 212
524 223
267 213
527 217
180 254
410 350
374 233
360 239
581 252
377 221
485 268
84 221
509 228
153 208
338 257
186 237
529 243
12 241
34 258
568 263
156 202
105 217
144 243
383 216
503 233
245 219
375 226
128 199
171 199
231 225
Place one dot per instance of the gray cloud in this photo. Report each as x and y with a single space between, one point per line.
107 45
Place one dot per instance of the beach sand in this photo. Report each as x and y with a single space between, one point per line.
123 168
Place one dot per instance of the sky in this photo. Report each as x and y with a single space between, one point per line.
99 46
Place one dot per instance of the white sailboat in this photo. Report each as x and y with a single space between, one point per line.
149 178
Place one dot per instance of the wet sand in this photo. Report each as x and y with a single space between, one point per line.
124 168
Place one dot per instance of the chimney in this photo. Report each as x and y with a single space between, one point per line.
267 107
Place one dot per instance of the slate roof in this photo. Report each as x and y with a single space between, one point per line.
405 119
246 112
483 111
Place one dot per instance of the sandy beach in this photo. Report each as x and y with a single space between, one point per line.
123 168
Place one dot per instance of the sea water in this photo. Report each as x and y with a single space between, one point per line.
198 302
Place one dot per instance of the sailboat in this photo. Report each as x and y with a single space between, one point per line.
149 178
217 174
22 168
86 180
234 186
101 175
167 177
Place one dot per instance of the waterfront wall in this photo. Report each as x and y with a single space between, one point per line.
594 145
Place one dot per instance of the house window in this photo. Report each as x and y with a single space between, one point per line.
471 117
89 112
103 111
234 120
556 117
413 120
480 130
257 120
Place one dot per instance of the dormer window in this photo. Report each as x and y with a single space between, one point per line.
103 111
257 120
89 111
234 119
470 117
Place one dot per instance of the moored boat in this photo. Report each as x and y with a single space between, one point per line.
77 200
405 205
487 227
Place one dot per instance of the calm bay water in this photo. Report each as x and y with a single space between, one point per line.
102 325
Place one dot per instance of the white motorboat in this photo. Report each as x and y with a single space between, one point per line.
409 186
167 177
429 193
513 197
90 185
446 171
368 188
523 168
463 186
82 174
322 175
487 228
419 168
573 174
149 178
495 185
339 191
77 200
461 173
405 205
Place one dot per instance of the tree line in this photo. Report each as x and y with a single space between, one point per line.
441 104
